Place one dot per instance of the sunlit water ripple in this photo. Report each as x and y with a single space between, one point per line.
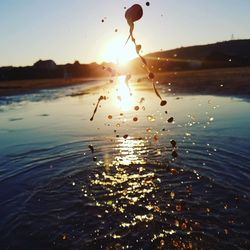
129 193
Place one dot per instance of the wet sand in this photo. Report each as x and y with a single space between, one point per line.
225 81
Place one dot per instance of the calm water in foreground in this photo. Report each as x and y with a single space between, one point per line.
129 193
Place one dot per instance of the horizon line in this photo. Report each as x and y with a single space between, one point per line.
105 62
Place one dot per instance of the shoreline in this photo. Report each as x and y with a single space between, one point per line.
21 87
222 82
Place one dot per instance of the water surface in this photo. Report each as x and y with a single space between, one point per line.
129 193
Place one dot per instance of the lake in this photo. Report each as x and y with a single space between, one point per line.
136 190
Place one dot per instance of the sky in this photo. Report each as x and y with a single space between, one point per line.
69 30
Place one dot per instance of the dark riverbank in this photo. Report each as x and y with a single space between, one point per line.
224 81
9 88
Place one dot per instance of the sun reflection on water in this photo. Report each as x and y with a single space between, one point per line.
124 94
127 183
131 151
125 188
139 193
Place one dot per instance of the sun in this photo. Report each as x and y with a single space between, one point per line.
117 52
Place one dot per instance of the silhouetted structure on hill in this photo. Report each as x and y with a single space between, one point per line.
45 65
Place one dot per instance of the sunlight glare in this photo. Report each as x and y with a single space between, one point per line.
125 100
116 51
131 152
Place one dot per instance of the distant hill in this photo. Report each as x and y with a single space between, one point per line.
232 48
234 53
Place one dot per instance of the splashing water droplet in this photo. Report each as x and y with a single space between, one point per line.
134 13
162 243
125 136
151 118
151 75
163 103
173 143
173 171
184 226
156 137
91 148
96 107
177 224
138 48
174 154
170 120
172 195
178 208
142 100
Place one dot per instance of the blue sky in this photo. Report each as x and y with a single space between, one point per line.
65 30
